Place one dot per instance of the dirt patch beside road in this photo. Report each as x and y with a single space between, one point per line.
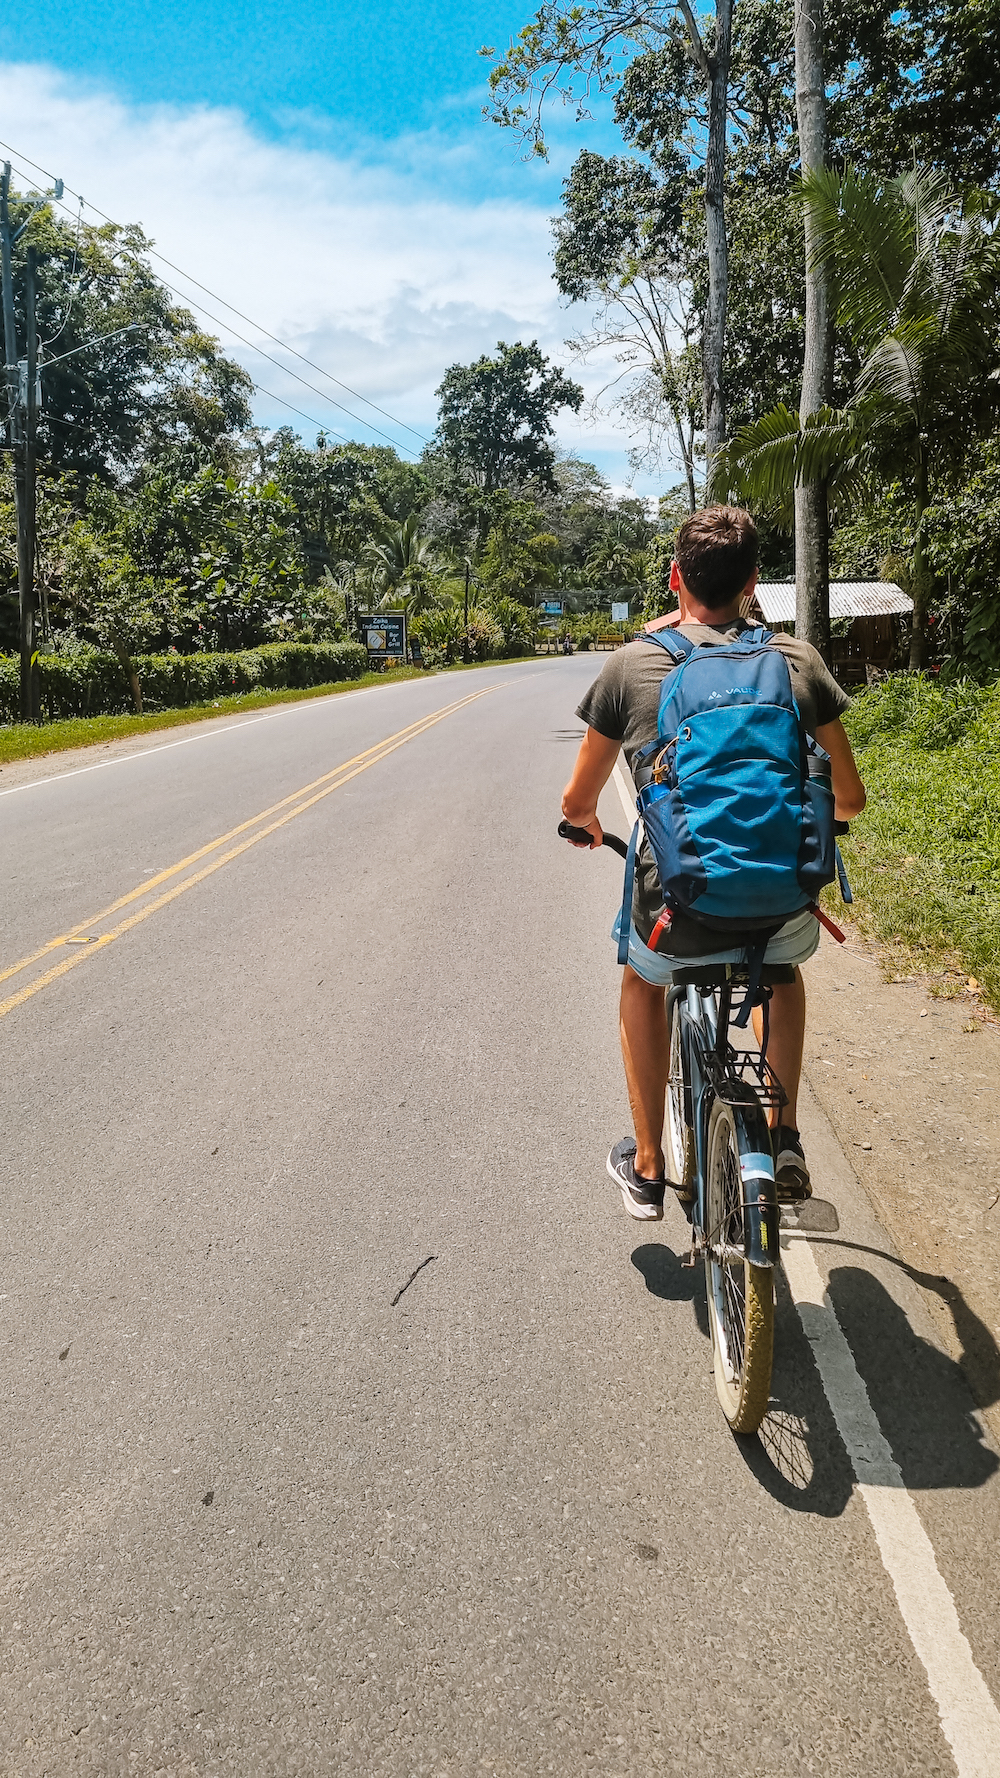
914 1094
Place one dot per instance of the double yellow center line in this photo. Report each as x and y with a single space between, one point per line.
86 943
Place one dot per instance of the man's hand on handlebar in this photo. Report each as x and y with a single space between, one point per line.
573 832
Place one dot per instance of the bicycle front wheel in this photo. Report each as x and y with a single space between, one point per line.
740 1296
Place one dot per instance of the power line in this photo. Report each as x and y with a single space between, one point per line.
58 420
248 318
229 328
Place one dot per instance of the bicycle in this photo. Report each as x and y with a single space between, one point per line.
718 1148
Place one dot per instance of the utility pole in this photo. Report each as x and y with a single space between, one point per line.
29 657
15 439
465 638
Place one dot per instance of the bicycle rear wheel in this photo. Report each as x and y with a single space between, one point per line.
680 1136
740 1296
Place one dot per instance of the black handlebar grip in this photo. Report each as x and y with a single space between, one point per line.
581 836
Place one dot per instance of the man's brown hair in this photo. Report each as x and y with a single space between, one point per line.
716 552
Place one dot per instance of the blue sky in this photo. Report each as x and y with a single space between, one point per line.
328 171
379 71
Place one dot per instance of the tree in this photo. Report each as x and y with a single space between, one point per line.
117 606
229 548
917 83
812 515
495 418
915 272
566 37
519 556
108 403
617 248
342 496
402 562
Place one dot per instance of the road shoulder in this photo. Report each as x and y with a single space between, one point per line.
911 1085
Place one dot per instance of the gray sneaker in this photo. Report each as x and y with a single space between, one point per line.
791 1175
643 1198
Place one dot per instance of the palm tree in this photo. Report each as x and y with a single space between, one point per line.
915 271
400 556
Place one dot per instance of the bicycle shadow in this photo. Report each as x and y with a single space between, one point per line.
919 1394
797 1455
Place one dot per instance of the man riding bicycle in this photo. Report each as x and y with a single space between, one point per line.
715 566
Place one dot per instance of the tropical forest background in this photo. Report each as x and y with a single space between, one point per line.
171 528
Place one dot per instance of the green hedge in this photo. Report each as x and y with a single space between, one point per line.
93 684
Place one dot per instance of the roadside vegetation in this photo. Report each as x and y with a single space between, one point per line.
924 859
30 740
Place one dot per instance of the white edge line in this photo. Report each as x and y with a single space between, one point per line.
969 1717
124 759
269 716
627 797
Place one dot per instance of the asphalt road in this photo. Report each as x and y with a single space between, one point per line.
350 1426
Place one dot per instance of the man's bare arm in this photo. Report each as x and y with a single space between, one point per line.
594 766
848 791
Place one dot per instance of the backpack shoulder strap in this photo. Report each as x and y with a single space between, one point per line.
678 646
625 922
756 638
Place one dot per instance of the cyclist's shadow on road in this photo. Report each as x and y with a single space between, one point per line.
919 1394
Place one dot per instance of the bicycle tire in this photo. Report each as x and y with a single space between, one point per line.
740 1295
680 1136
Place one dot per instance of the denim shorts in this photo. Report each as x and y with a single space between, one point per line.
794 944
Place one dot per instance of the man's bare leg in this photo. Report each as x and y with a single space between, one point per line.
646 1054
785 1044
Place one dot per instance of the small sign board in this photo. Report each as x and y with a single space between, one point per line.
552 607
619 613
384 634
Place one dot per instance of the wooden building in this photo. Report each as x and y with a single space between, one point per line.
878 611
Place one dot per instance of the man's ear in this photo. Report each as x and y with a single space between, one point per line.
675 578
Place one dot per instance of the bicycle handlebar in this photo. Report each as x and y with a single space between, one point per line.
581 836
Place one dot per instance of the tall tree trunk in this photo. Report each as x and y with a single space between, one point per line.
128 668
688 459
812 521
713 338
921 577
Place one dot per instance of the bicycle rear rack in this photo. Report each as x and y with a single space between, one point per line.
740 1070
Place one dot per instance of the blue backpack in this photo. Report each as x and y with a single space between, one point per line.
735 797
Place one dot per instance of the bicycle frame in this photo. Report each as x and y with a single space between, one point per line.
714 1070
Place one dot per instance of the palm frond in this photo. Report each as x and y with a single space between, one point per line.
758 464
894 371
863 235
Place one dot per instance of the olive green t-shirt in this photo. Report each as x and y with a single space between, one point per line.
624 701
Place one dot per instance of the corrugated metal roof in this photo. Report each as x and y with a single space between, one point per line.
848 598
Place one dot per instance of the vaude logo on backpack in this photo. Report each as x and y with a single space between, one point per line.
735 797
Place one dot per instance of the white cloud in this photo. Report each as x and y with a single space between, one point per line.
376 271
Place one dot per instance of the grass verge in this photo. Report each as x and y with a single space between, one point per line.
25 740
924 858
